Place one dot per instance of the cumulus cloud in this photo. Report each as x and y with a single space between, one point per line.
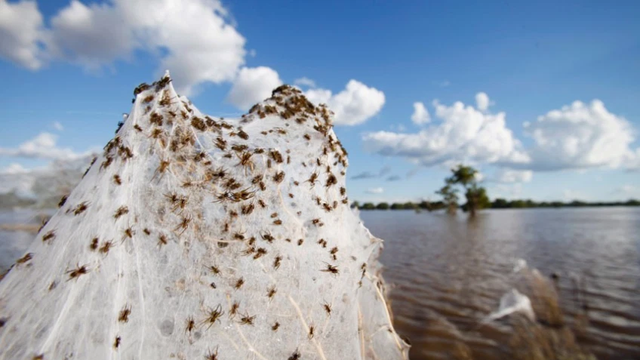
465 134
305 81
43 146
377 190
13 169
420 114
513 176
482 101
352 106
21 33
253 85
579 136
193 38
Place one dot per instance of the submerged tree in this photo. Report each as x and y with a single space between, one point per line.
450 197
476 196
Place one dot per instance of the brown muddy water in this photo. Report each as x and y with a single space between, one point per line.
446 274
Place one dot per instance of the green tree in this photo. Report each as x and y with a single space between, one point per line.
383 206
500 203
450 197
368 206
476 196
463 175
355 204
396 206
476 199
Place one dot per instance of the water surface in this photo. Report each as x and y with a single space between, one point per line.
447 273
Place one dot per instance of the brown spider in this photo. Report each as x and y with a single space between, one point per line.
94 244
124 314
190 324
80 208
121 211
162 240
24 259
272 292
212 355
247 320
331 269
48 236
313 178
75 273
239 283
213 316
104 249
183 224
278 177
245 161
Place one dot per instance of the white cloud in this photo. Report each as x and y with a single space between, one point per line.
43 146
377 190
13 169
253 85
465 134
513 176
21 33
305 81
353 105
192 38
420 114
580 136
482 101
58 126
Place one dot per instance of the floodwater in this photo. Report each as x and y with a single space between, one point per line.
446 274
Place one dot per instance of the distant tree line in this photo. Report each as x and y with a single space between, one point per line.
495 204
465 177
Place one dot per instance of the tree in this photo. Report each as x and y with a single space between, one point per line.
382 206
476 199
476 196
368 206
355 204
396 206
448 193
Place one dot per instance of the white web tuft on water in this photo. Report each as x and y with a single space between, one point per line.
193 235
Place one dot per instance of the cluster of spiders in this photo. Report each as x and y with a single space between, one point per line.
237 184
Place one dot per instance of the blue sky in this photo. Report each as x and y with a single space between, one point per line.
76 64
